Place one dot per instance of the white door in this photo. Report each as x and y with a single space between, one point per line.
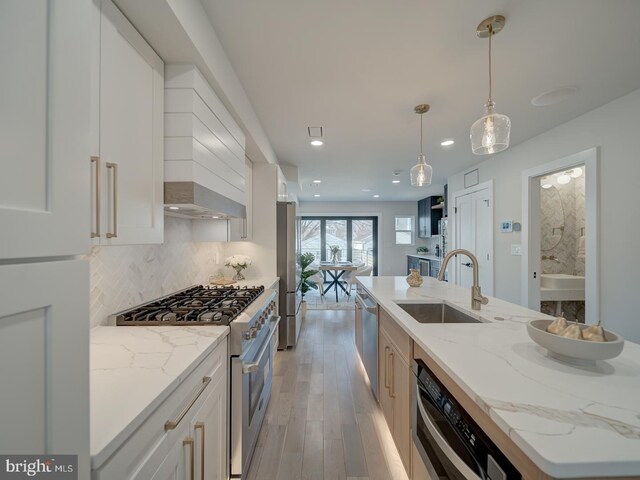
44 359
209 430
473 226
464 239
131 133
44 128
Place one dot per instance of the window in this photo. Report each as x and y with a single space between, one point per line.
404 229
355 237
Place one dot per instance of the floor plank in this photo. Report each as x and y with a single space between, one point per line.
323 421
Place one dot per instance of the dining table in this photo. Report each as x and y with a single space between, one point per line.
335 270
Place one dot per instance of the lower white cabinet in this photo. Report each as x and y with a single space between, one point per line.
195 444
210 446
44 359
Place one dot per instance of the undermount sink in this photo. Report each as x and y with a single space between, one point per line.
436 313
561 281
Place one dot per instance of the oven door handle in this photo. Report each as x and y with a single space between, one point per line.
250 367
453 457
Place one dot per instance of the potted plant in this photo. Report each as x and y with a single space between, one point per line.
306 284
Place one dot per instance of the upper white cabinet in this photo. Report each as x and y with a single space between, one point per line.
44 128
127 119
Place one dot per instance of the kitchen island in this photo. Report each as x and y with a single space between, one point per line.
570 421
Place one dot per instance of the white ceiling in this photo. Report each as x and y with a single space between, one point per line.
358 67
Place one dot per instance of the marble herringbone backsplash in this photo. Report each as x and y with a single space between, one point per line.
125 276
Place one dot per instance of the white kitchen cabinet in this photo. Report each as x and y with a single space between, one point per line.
283 191
44 352
153 451
44 128
127 134
241 229
207 430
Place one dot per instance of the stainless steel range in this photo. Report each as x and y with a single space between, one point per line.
251 314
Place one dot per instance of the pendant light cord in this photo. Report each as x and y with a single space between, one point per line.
490 79
421 134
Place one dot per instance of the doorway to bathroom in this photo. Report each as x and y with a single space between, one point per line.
560 237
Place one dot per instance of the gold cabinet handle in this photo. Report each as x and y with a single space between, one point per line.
386 367
114 233
171 424
392 390
189 441
96 233
200 426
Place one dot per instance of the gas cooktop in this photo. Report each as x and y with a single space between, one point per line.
198 305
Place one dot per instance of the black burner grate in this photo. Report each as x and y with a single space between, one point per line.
198 305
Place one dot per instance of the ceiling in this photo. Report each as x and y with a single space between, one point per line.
358 67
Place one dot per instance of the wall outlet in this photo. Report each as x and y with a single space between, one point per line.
516 249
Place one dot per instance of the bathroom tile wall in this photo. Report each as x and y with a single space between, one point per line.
569 215
126 276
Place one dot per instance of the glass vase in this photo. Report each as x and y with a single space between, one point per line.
238 276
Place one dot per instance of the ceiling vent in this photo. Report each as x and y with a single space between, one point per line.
315 132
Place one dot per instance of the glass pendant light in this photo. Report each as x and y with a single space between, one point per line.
490 134
422 172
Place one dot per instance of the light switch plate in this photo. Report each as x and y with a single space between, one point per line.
516 249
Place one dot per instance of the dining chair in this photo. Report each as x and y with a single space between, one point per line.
350 277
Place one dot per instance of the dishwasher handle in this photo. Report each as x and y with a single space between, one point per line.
369 307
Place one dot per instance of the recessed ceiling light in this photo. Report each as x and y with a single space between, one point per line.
317 143
316 195
215 216
317 181
395 181
366 189
553 96
376 196
447 143
174 208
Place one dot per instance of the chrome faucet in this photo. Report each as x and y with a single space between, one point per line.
476 296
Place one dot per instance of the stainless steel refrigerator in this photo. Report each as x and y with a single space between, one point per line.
288 250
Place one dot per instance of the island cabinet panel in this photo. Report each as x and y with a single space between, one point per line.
395 384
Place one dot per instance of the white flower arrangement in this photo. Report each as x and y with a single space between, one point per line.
237 261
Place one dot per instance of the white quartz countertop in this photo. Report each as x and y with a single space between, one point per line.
426 256
133 370
572 421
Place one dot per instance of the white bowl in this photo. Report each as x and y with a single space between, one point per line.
572 350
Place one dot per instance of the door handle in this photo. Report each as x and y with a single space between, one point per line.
468 264
114 167
96 160
386 367
200 426
392 390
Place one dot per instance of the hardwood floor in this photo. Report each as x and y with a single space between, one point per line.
323 421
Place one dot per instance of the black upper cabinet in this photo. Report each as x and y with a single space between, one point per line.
428 217
446 201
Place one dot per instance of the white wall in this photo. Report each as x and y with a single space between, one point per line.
392 258
615 129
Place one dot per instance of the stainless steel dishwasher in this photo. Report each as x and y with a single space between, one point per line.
369 337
